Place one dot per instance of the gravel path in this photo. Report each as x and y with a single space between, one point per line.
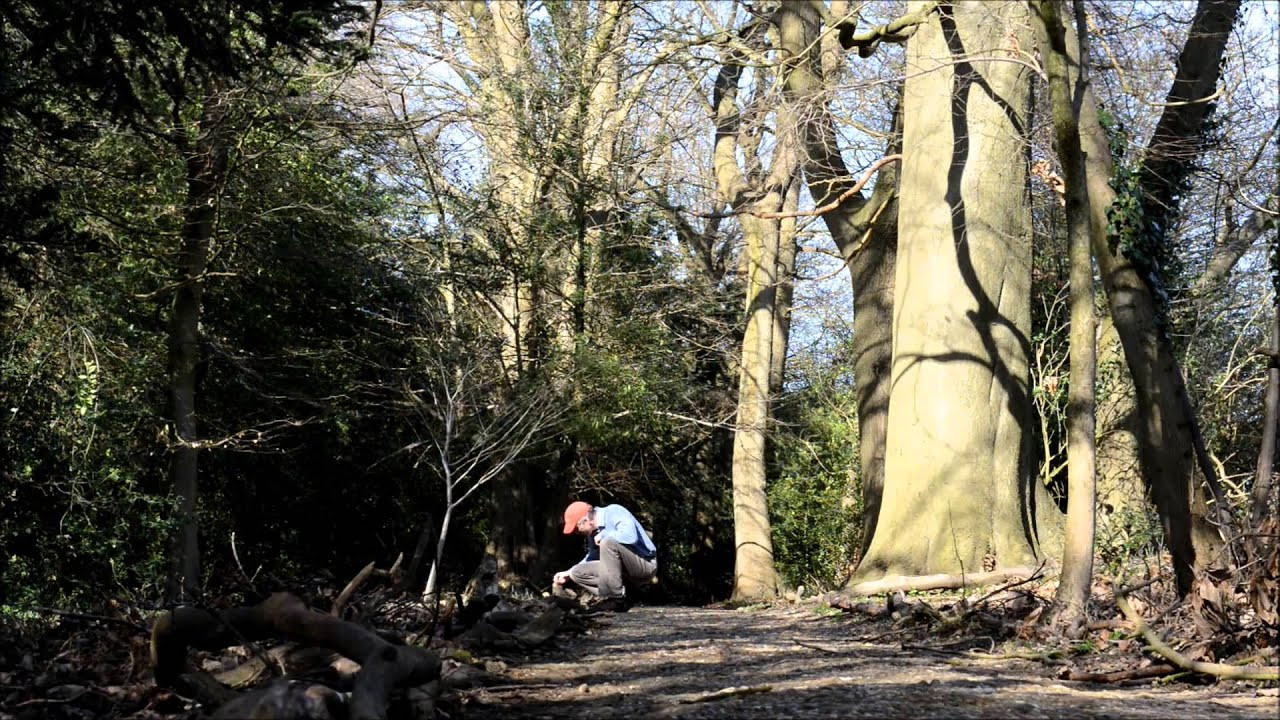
663 662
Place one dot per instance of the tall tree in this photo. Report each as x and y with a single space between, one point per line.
865 232
206 163
758 196
959 491
1168 433
1077 564
154 68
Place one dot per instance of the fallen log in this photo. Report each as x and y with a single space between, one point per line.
907 583
383 666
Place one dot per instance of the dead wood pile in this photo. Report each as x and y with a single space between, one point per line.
371 656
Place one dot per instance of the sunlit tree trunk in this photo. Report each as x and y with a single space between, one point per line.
959 489
1077 561
1122 494
759 197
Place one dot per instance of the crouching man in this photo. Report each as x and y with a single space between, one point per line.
618 550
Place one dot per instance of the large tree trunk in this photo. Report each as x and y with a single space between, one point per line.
516 515
1122 496
959 490
206 174
1077 561
1166 427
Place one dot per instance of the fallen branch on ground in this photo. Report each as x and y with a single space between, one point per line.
1151 671
819 648
1035 574
907 583
1230 672
350 590
728 693
1052 657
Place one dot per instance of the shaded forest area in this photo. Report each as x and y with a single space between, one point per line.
326 304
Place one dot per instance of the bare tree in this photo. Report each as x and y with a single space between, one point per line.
475 428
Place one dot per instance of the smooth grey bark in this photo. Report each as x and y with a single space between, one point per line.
960 493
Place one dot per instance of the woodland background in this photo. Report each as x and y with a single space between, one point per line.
288 286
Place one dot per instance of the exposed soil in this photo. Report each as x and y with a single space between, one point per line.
798 663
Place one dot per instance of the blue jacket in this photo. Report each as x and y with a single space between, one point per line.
616 523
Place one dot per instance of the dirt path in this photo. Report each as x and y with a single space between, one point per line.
652 661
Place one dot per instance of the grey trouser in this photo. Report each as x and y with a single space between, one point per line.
617 562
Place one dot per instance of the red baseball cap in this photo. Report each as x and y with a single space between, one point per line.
572 514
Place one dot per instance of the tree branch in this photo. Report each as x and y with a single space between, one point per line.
1231 672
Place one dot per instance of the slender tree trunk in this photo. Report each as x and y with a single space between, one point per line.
433 576
959 488
1263 482
754 574
758 202
786 291
206 174
866 233
1166 433
1077 560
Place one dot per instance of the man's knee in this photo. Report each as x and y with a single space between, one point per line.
579 573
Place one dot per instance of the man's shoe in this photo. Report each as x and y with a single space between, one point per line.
607 605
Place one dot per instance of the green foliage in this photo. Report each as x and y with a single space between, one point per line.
1131 230
78 519
120 57
1128 533
815 501
302 331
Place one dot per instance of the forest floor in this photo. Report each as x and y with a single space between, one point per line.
803 661
925 656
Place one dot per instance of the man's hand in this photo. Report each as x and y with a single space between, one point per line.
561 578
596 538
